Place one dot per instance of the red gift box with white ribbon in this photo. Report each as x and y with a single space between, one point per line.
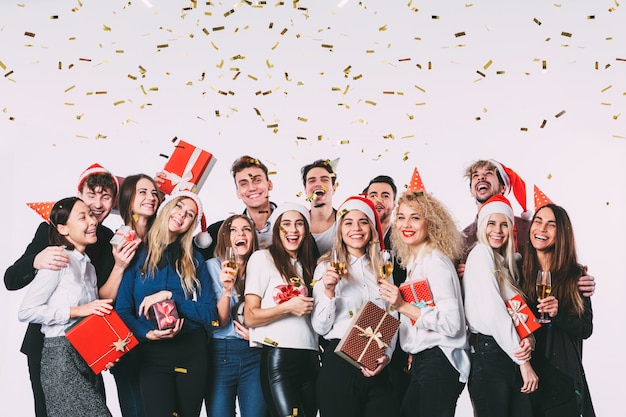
101 339
368 337
417 293
522 316
187 168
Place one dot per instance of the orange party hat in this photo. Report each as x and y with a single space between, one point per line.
43 208
540 199
416 185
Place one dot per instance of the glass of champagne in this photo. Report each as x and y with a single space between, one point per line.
386 264
232 261
339 266
544 288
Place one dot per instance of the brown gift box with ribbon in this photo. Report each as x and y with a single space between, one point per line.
101 339
186 169
368 337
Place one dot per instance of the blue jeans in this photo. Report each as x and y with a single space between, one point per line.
495 381
234 371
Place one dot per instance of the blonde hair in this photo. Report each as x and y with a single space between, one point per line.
371 249
506 270
157 241
442 233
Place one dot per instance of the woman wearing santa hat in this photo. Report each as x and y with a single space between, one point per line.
174 361
501 376
434 333
563 390
342 389
278 312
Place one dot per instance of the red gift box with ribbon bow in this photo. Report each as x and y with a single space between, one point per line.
417 293
101 339
368 337
187 168
522 316
285 292
163 314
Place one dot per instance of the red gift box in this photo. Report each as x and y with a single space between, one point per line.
101 339
417 293
368 337
285 292
163 314
523 317
187 168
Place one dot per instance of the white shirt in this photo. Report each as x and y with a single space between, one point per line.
331 318
443 325
485 310
52 293
288 331
326 239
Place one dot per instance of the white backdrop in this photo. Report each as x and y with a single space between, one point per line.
384 85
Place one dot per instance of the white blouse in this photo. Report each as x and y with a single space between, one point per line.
485 310
288 331
331 318
443 325
52 293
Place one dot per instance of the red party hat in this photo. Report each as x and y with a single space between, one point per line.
540 199
43 208
416 184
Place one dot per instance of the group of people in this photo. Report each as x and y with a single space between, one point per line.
265 301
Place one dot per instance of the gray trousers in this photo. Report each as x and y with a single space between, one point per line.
69 385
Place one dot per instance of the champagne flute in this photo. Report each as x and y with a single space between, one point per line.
232 261
339 266
544 288
386 265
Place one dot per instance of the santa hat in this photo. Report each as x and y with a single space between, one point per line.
366 206
203 239
540 199
97 169
43 208
496 204
514 183
284 207
416 185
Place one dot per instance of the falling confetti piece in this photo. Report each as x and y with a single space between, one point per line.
566 34
481 74
106 28
382 28
69 88
119 102
228 13
30 34
373 103
459 34
543 124
559 114
544 64
537 21
524 129
488 64
163 45
325 45
606 88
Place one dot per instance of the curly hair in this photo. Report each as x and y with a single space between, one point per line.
442 233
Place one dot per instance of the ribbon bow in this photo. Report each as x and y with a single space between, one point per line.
120 345
376 336
515 311
183 182
421 304
166 310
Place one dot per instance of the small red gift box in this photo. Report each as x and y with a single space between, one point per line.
368 337
417 293
163 314
101 339
523 317
295 288
187 168
123 234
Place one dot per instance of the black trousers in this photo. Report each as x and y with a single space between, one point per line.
343 391
173 375
288 381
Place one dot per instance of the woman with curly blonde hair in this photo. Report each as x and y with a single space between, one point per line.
426 239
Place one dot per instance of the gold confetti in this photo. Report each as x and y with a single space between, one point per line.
54 16
119 102
543 124
282 32
382 28
84 59
435 17
591 17
488 64
481 74
228 13
31 34
501 72
267 62
69 88
79 116
206 31
616 116
356 77
605 88
163 45
544 64
106 28
344 142
404 59
180 370
373 103
566 34
325 45
215 29
302 119
524 129
559 114
537 21
2 65
459 34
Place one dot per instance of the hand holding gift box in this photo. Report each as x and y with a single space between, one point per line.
101 339
186 169
123 234
295 288
417 293
163 314
523 318
368 337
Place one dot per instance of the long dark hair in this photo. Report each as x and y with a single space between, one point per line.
306 254
564 265
223 241
128 190
59 215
